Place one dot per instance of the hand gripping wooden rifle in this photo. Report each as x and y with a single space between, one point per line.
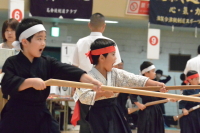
55 82
190 110
132 110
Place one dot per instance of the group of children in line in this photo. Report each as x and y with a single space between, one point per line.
25 73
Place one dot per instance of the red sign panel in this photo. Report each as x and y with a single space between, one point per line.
137 7
17 14
153 40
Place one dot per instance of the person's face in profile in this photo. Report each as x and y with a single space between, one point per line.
194 81
150 74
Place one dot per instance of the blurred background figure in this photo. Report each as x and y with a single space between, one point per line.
160 76
182 77
164 79
8 34
120 65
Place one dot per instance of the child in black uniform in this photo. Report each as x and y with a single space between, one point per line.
25 73
150 119
190 122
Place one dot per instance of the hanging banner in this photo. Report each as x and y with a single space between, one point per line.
16 9
153 44
137 7
185 13
61 8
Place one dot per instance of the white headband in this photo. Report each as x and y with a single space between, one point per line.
27 33
148 69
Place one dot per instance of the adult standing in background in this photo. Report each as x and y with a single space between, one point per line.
97 26
194 63
8 33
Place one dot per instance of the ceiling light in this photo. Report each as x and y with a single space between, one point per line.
88 20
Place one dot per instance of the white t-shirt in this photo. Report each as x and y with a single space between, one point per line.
193 64
83 46
1 45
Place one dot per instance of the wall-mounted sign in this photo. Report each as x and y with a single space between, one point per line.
16 9
137 7
153 44
61 8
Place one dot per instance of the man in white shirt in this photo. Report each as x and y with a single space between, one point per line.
97 26
194 63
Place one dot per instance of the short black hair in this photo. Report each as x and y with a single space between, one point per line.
97 20
25 24
12 23
182 77
198 49
145 64
191 72
98 44
159 72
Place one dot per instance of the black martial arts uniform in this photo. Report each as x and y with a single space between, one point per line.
150 120
121 102
191 122
167 79
26 111
106 117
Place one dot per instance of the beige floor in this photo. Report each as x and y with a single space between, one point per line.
134 131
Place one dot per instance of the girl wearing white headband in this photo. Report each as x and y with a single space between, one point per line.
150 119
25 73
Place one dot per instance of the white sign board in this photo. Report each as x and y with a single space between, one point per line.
153 44
67 51
16 9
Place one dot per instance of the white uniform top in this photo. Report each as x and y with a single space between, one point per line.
1 45
116 77
83 46
193 64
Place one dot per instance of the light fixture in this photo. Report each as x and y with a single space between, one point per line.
55 31
88 20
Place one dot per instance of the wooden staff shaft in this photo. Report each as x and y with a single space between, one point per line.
177 117
54 82
195 95
132 110
157 88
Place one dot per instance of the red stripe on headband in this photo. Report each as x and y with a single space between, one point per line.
191 77
100 52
